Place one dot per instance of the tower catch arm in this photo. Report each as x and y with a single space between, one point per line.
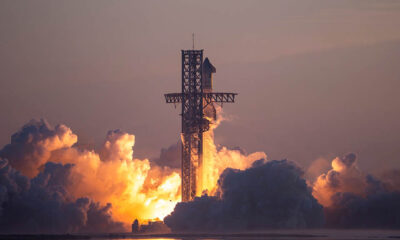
217 97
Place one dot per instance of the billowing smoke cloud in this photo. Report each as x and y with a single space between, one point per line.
31 147
64 179
353 199
270 194
170 157
343 177
49 185
391 179
44 205
93 181
379 210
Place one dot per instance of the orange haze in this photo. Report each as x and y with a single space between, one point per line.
136 188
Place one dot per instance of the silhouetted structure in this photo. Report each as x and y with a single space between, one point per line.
135 226
196 97
152 226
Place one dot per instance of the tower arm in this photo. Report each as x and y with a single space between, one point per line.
173 97
219 97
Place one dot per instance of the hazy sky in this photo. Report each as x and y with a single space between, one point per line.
315 78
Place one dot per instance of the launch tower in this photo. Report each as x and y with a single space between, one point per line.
197 100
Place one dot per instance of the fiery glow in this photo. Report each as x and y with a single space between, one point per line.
131 185
136 188
343 177
215 160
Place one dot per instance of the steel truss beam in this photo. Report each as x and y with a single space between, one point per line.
217 97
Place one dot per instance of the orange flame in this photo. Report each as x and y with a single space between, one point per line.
215 161
136 188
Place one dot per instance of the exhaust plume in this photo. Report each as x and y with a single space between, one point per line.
354 199
113 176
267 195
217 158
109 184
49 185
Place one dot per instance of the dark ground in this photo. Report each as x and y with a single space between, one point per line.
273 234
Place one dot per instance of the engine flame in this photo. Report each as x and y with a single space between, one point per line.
216 160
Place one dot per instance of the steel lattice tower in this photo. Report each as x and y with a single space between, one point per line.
195 97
